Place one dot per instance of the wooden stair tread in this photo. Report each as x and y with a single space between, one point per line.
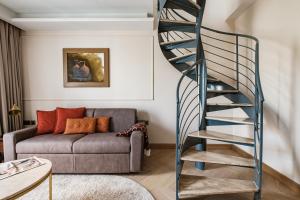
223 91
213 80
246 121
188 6
176 42
166 25
216 158
177 22
181 57
189 3
231 104
189 66
195 186
213 135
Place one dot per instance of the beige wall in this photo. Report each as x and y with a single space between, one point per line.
276 24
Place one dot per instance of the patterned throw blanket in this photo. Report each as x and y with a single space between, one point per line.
137 127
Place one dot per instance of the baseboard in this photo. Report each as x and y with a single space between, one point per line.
162 146
173 146
272 172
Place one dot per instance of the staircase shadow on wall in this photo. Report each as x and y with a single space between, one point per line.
287 128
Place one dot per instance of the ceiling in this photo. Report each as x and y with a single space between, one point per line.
38 8
104 14
43 15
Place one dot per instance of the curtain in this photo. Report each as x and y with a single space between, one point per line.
10 77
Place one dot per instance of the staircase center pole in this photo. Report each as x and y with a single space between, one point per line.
202 82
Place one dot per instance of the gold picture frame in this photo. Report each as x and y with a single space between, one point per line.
86 67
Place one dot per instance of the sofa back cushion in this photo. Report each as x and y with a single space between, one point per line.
120 118
89 112
62 114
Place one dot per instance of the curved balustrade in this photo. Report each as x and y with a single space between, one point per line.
217 59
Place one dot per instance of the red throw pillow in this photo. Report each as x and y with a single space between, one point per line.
62 114
46 121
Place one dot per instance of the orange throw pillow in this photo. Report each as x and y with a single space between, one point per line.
62 114
46 121
77 126
102 124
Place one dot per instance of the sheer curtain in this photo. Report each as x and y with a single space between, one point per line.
10 76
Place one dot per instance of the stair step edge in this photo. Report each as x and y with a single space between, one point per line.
213 135
231 119
176 41
177 22
222 91
217 158
180 57
231 104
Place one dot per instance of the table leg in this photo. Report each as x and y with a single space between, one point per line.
50 186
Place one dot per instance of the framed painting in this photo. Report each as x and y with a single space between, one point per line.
86 67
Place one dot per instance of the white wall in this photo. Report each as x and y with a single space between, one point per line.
140 77
131 60
216 13
275 23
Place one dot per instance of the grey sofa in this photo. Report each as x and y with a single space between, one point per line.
93 153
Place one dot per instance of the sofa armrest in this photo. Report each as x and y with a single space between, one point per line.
137 151
11 139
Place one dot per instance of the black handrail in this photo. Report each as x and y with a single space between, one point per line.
232 34
257 74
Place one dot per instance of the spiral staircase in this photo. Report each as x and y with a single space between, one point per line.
219 89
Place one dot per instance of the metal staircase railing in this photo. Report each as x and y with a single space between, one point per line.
187 114
229 58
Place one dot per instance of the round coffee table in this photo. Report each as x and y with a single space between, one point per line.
16 186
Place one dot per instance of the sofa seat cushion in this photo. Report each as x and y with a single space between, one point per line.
102 143
48 144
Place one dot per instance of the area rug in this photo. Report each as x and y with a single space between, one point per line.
90 187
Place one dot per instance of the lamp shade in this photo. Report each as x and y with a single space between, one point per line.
15 110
